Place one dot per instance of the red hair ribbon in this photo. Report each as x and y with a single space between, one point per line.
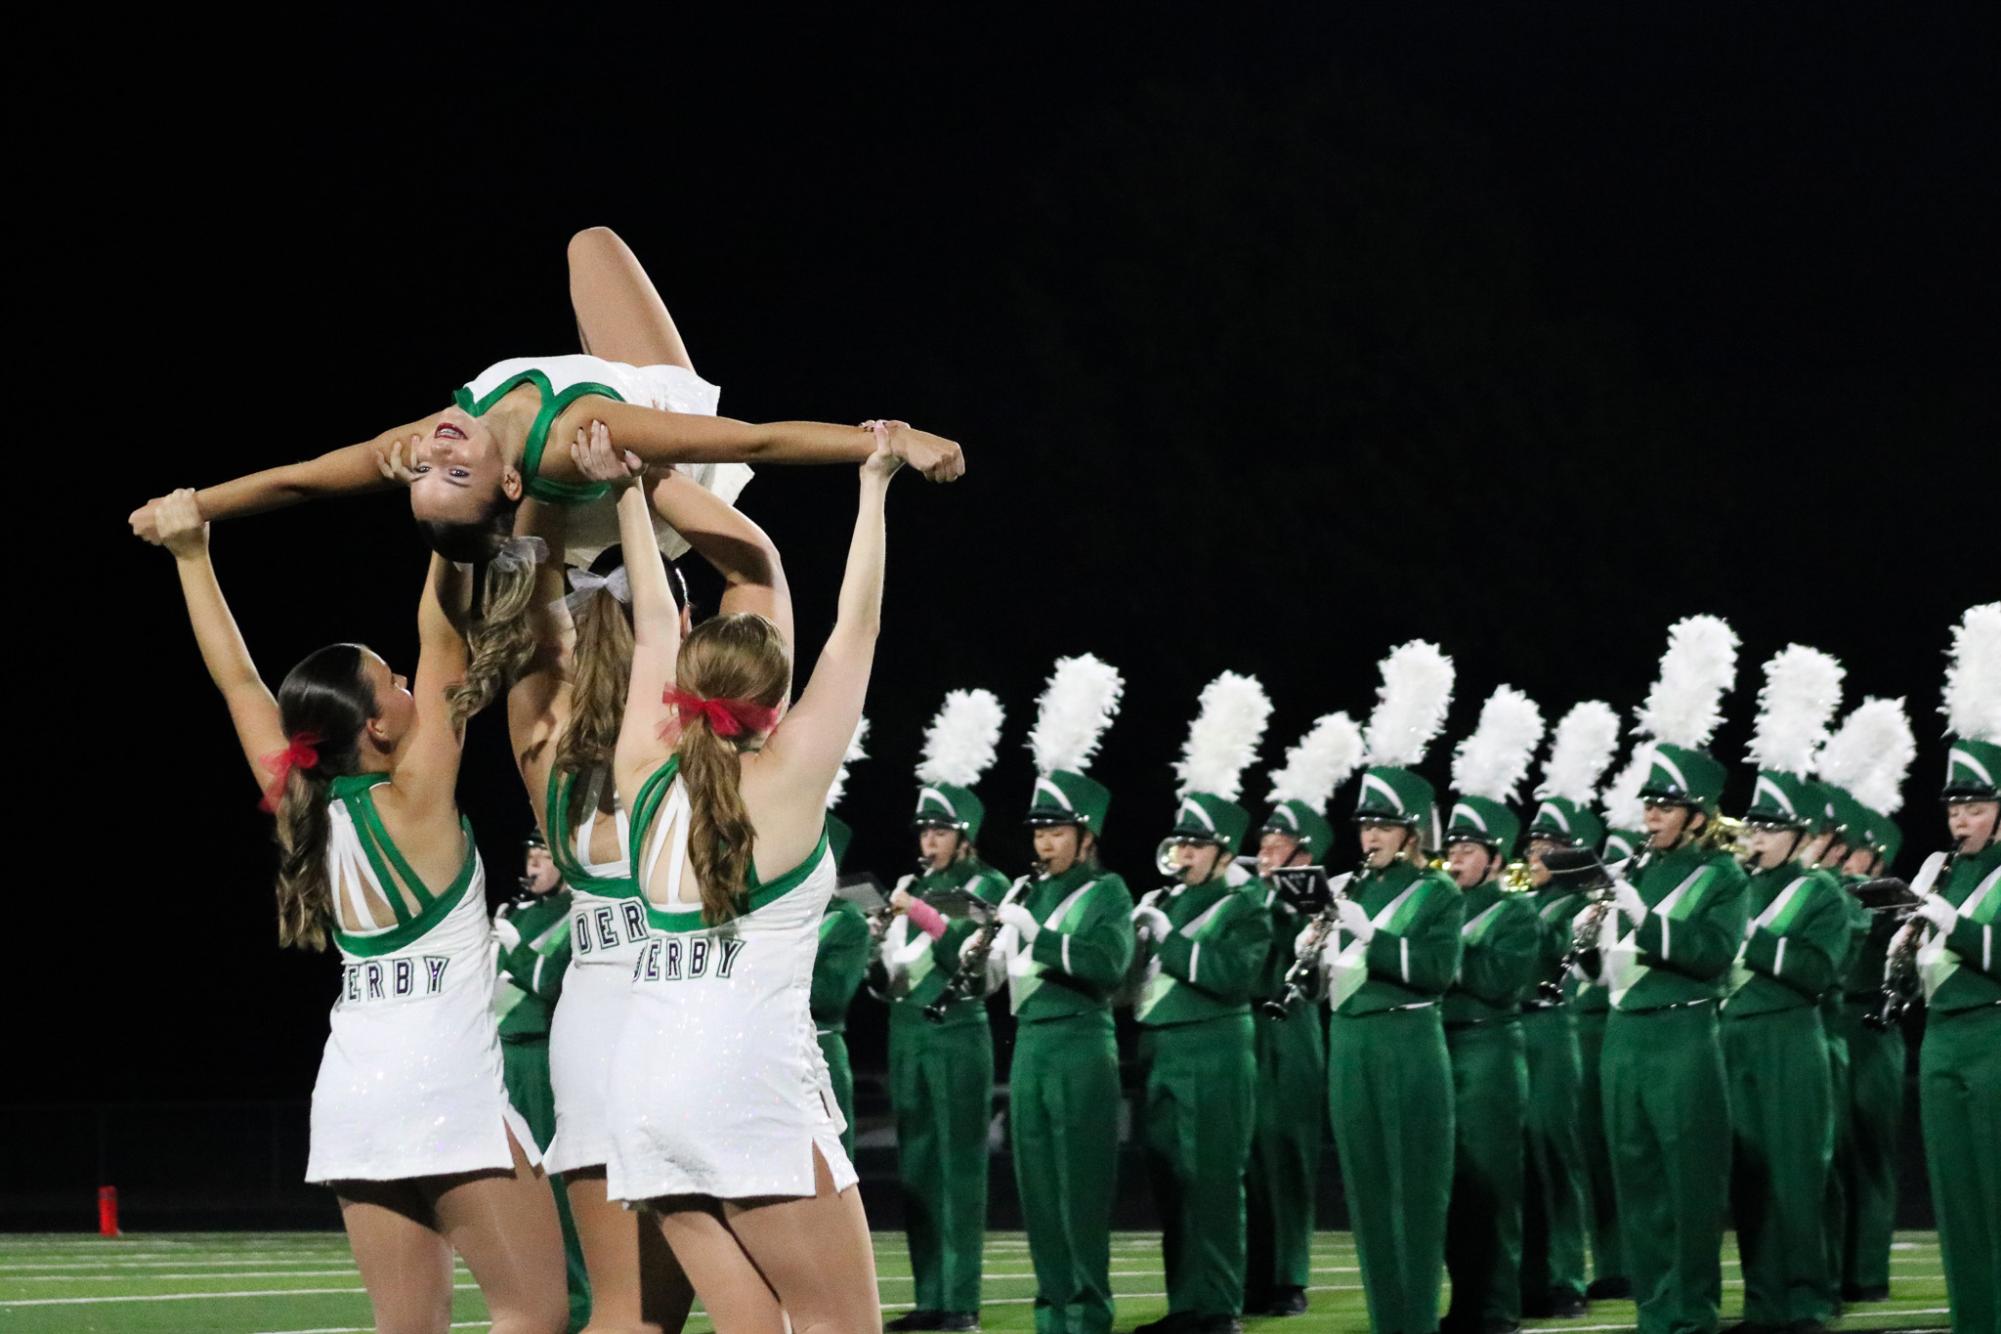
727 717
300 752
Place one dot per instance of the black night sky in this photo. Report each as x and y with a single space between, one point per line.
1274 339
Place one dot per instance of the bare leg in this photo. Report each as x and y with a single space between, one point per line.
736 1296
619 315
504 1224
815 1253
637 1286
405 1265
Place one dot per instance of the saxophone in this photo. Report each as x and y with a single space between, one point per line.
1297 985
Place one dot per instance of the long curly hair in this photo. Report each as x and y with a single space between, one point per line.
501 638
737 656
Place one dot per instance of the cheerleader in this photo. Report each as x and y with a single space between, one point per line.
722 1119
469 465
563 718
410 1121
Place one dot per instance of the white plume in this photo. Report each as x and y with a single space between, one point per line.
1700 664
1579 752
855 752
959 744
1973 679
1801 693
1870 754
1074 710
1493 761
1224 738
1410 703
1622 807
1319 762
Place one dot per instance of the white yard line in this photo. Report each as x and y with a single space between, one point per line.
199 1296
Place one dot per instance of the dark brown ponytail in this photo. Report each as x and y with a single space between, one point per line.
739 657
326 696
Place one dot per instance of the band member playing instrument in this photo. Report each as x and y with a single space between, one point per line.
1386 967
1951 942
1775 1051
1202 944
1483 1032
1666 950
941 1051
1866 761
842 958
1555 1184
1291 1047
1063 951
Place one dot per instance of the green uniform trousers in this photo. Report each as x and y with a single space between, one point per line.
1782 1146
1667 1123
841 1074
1201 1086
1959 1104
524 1070
1867 1161
1553 1177
1064 1114
1834 1214
941 1083
1483 1227
1279 1187
1389 1084
1608 1255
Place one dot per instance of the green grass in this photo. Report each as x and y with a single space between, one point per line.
267 1282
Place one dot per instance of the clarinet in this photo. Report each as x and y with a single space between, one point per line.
1584 932
968 980
1900 960
1297 985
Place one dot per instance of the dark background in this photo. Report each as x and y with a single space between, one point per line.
1274 339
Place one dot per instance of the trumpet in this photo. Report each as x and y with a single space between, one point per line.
1297 985
1727 834
1515 878
968 980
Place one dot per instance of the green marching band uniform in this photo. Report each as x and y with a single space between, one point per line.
534 951
941 1071
1842 818
1064 1086
1490 1079
1665 1098
1290 1106
1776 1053
1388 1074
1556 1182
1959 1064
1192 1001
1590 1001
838 967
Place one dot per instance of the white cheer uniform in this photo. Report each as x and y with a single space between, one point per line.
718 1087
593 523
410 1082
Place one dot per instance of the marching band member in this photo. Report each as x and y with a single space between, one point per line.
1386 967
1201 944
941 1050
1555 1212
1666 950
1291 1107
1868 757
1063 949
1483 1032
1952 939
1775 1050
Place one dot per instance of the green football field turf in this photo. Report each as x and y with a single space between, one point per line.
304 1283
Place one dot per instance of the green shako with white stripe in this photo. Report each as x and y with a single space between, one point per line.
1801 694
1411 704
1579 750
959 746
1488 768
1221 743
1079 703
